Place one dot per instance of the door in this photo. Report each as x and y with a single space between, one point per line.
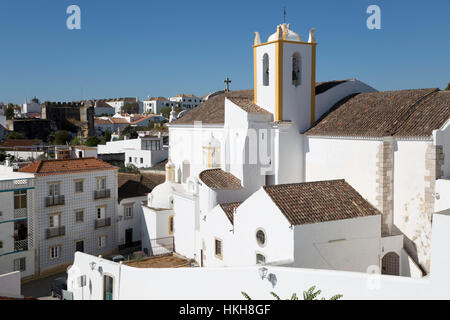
79 246
129 236
108 283
390 264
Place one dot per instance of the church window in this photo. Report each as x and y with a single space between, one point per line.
261 237
296 74
218 248
260 258
266 69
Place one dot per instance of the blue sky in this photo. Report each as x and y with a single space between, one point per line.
161 48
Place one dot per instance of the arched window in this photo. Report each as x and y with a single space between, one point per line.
261 237
296 70
265 69
260 259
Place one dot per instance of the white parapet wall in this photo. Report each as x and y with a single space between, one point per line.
10 285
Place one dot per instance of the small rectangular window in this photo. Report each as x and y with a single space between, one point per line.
218 248
55 252
128 212
19 264
102 242
79 186
79 216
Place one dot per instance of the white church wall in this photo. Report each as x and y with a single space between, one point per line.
329 98
442 192
441 137
214 226
186 224
154 224
288 155
266 94
259 212
297 100
186 144
350 159
409 196
348 244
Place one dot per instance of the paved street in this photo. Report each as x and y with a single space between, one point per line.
41 288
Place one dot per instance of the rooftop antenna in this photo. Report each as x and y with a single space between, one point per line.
284 14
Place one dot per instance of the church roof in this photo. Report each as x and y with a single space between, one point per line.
321 201
229 208
247 105
219 179
212 111
132 185
403 113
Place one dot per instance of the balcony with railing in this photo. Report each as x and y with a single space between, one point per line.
102 194
21 245
100 223
20 213
56 232
51 201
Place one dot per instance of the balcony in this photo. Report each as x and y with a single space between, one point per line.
56 232
100 223
54 201
102 194
21 245
20 213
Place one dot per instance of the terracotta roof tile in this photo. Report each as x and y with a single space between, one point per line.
219 179
247 105
321 201
10 143
403 113
229 208
135 185
55 167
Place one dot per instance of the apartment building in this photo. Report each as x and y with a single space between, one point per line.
76 210
187 101
17 222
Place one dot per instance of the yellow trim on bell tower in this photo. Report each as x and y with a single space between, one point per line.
279 80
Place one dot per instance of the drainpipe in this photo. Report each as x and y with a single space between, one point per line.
120 273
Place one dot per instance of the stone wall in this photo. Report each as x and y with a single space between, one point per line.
385 183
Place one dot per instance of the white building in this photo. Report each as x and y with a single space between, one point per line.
18 224
31 107
121 121
119 103
155 104
76 210
132 191
142 152
389 146
187 101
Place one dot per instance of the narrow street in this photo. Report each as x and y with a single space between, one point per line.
41 288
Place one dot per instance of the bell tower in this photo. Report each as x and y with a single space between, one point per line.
284 76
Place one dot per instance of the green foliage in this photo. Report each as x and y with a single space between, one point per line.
9 111
130 108
310 294
92 142
128 132
246 296
448 87
166 111
62 137
76 141
107 137
15 136
130 168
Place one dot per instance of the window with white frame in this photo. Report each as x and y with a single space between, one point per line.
101 183
79 186
54 189
102 242
79 216
218 252
55 252
19 264
129 212
20 199
55 220
260 258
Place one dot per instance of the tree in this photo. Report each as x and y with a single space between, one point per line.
92 142
9 111
107 137
130 108
62 137
128 132
310 294
448 87
15 136
166 111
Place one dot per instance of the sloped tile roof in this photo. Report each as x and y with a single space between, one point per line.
11 143
321 201
56 167
135 185
219 179
403 113
229 208
247 105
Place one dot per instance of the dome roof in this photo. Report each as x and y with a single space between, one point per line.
285 33
161 196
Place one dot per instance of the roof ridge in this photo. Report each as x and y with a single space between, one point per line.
403 118
303 183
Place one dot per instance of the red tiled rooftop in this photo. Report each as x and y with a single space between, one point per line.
49 167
